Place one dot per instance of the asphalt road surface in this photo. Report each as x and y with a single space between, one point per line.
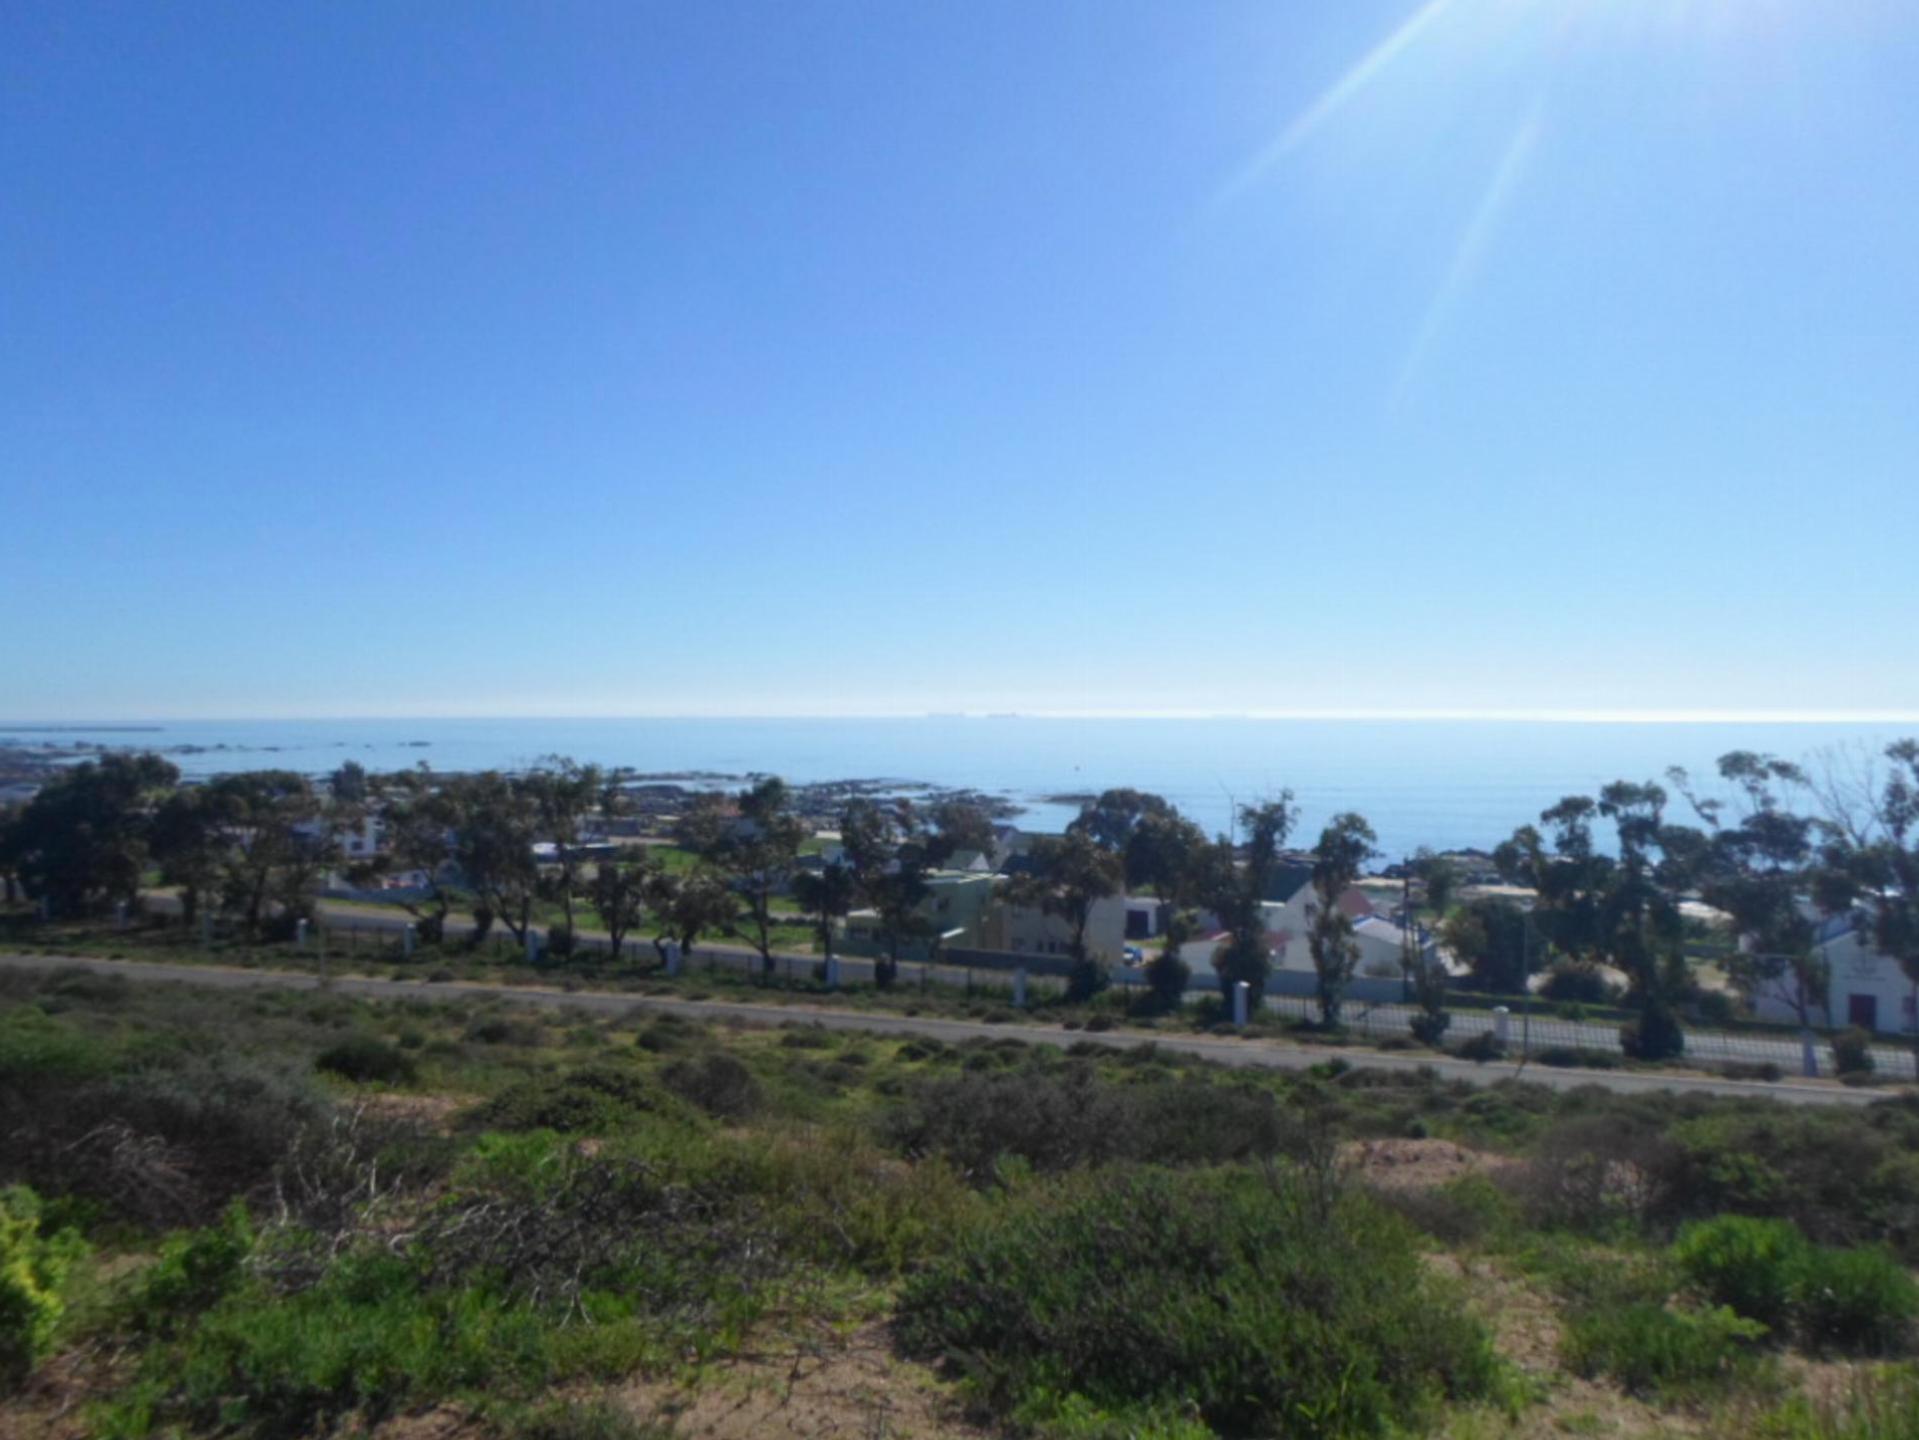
1269 1054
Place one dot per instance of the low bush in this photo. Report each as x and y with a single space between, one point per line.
1258 1308
1876 1405
34 1267
717 1083
164 1142
1059 1122
1482 1048
585 1420
367 1058
1852 1052
1753 1266
1860 1300
1652 1349
1578 984
196 1269
597 1099
502 1030
1457 1213
1575 1057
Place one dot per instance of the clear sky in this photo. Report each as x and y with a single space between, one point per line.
1325 356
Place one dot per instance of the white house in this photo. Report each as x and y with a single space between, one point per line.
1865 988
1029 930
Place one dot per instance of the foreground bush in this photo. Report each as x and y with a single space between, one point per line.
1060 1122
1260 1307
367 1059
33 1273
1857 1300
1651 1349
1754 1266
1882 1405
596 1099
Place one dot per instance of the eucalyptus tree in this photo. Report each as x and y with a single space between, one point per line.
496 824
1070 875
758 852
871 842
563 795
1757 866
189 842
1623 909
1238 893
1339 859
619 889
419 816
687 904
280 844
83 842
827 895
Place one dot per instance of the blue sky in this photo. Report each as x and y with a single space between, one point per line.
1505 356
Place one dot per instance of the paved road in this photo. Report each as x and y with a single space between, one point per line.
342 918
1261 1053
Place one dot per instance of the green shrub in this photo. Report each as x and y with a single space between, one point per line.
1852 1052
1859 1300
595 1099
1654 1035
1259 1306
500 1030
716 1082
585 1420
1754 1266
33 1274
1651 1349
367 1058
1481 1048
364 1342
195 1270
1462 1211
1877 1405
1059 1122
1575 1057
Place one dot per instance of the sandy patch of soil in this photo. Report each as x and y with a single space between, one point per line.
1415 1164
821 1386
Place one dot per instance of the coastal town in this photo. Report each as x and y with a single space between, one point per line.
1763 917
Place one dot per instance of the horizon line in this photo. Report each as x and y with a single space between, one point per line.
1512 715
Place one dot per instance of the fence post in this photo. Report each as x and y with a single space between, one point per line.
206 924
1019 988
1241 991
1808 1055
1502 1024
406 940
532 947
673 958
300 934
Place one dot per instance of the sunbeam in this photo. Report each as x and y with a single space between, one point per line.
1356 79
1473 242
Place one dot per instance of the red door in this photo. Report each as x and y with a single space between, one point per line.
1863 1011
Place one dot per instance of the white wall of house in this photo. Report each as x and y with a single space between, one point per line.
1867 989
1028 930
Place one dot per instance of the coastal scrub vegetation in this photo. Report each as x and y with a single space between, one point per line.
560 1225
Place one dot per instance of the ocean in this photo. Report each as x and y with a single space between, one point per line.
1442 783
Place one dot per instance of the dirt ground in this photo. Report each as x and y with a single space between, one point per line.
822 1387
1415 1164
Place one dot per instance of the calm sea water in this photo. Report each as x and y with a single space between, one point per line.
1420 782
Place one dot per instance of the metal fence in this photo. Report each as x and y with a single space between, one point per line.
994 975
